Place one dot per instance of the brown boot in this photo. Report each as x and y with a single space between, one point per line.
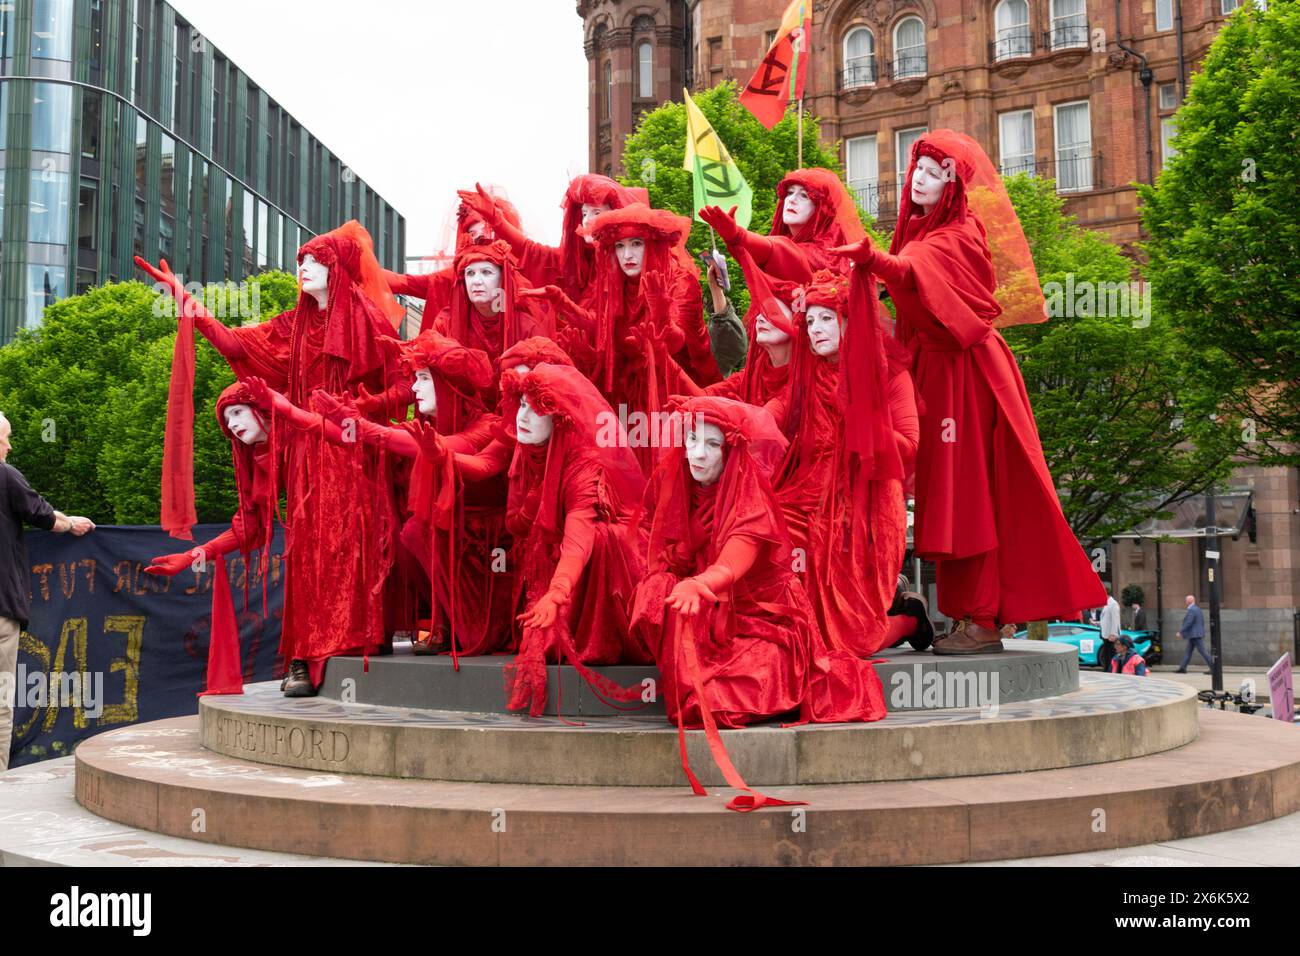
969 638
298 683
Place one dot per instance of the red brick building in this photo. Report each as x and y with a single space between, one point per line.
1077 90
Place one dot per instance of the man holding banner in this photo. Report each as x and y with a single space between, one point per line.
19 505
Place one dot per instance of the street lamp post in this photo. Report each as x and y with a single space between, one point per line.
1212 568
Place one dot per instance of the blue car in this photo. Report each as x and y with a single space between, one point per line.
1093 651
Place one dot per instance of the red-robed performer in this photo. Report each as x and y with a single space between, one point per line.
720 560
435 288
769 325
986 507
573 481
648 311
455 530
486 313
841 484
342 520
571 266
814 215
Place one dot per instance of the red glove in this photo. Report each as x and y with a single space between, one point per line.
334 408
481 203
545 610
723 223
169 565
432 445
366 403
688 595
863 252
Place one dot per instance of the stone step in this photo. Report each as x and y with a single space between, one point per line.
1241 770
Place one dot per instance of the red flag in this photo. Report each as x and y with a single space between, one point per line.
781 76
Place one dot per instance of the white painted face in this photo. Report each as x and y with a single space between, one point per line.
530 427
482 280
478 230
521 369
590 212
426 396
705 450
5 430
314 276
928 181
798 208
765 333
245 424
823 330
630 254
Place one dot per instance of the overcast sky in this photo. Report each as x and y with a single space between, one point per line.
421 98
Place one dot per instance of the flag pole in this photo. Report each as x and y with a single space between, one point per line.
801 132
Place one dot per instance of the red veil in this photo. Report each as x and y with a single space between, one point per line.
835 223
760 381
577 261
517 319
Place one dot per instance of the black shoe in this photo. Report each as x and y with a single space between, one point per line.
1180 671
915 606
298 682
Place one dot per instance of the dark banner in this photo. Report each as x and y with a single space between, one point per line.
110 645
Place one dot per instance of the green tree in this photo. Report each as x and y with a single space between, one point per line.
1128 426
1225 235
654 153
87 395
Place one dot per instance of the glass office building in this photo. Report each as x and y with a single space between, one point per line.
126 132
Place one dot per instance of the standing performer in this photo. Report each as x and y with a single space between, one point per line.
840 486
720 561
342 520
986 507
814 215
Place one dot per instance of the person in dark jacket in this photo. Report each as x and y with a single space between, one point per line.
1193 632
1139 617
19 505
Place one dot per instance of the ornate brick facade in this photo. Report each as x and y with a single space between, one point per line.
1092 79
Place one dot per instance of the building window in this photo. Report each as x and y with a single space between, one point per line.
862 168
1168 96
47 207
45 286
1069 24
263 217
904 140
909 48
1167 149
87 208
645 70
859 58
1227 6
167 199
97 42
1016 141
1073 147
51 29
51 117
90 104
609 89
1164 15
1011 20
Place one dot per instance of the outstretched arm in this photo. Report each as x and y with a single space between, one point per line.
485 206
778 255
734 560
224 340
575 550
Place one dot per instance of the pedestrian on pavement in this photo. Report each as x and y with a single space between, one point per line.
1193 632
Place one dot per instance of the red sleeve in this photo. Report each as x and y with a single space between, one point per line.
229 540
737 556
491 461
474 438
729 387
907 425
779 256
541 265
411 284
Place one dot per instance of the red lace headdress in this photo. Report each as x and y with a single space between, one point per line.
529 352
503 329
590 189
462 376
835 223
976 192
665 235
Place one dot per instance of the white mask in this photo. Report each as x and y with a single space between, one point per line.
798 207
530 427
928 182
521 369
482 281
426 396
313 275
245 424
630 255
705 448
765 333
590 212
477 230
823 330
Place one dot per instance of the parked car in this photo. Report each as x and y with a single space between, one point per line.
1093 651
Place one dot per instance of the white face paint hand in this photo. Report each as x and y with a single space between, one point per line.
426 396
630 254
823 330
705 450
798 207
530 427
245 424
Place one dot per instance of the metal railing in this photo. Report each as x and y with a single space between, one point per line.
1012 43
907 67
1068 33
862 71
1073 174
